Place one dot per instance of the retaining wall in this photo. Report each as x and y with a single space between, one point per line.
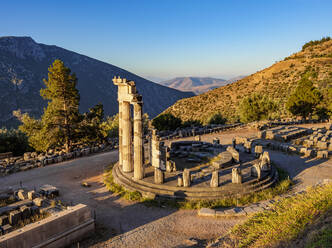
58 230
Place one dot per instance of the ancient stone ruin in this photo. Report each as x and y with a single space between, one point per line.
127 96
191 169
30 218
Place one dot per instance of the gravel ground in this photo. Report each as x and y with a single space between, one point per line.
139 225
121 223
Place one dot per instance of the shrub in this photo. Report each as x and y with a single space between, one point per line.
192 123
166 122
256 107
216 119
315 42
304 99
13 141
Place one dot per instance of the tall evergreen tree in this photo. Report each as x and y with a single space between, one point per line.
61 117
58 125
91 129
305 98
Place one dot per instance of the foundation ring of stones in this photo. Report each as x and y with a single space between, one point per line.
152 190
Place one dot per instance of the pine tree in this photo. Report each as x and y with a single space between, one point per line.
304 99
61 117
256 107
91 130
58 125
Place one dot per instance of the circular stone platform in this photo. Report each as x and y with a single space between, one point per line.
200 184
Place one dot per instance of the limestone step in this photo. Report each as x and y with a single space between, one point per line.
120 178
137 185
246 187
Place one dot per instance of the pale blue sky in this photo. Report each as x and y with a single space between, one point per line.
173 38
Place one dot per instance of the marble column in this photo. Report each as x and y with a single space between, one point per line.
138 142
120 135
126 138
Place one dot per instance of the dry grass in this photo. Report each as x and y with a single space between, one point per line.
286 221
276 81
281 187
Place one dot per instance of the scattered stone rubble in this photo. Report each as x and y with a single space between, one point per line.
309 142
24 204
31 160
283 133
251 209
196 131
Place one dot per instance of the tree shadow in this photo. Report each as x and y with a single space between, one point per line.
115 216
296 165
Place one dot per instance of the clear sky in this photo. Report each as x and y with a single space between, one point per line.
164 38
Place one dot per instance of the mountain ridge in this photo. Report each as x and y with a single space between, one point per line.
24 63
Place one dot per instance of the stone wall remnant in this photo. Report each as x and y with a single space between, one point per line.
236 175
214 179
235 153
158 176
256 171
186 178
258 151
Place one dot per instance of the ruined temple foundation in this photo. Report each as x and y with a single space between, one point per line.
162 177
127 96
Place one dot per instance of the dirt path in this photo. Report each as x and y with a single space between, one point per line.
142 226
136 225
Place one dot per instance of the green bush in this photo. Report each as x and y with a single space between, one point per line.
166 122
216 119
305 98
315 42
13 141
256 107
192 123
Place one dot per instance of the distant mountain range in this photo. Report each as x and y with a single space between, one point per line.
198 85
24 63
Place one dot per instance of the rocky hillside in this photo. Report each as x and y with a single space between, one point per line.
24 63
276 81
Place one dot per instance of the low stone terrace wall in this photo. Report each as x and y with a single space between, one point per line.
33 159
261 125
59 230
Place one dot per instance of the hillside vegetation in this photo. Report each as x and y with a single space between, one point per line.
289 223
276 82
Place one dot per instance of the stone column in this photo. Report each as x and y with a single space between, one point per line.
236 176
138 142
155 147
214 179
120 135
158 176
126 138
186 178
